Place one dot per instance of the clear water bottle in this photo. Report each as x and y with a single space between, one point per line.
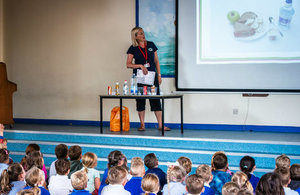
125 88
132 85
286 13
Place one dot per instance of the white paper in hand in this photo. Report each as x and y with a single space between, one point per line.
147 79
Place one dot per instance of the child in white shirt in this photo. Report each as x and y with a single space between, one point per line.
60 184
117 178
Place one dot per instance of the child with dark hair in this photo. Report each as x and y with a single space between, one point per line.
220 177
247 166
31 148
4 159
61 152
151 162
269 184
75 154
12 179
60 184
115 158
284 174
295 177
34 159
194 185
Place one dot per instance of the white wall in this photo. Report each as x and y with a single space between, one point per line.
63 54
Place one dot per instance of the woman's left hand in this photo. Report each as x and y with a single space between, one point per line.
159 79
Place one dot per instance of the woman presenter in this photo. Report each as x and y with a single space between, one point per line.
142 58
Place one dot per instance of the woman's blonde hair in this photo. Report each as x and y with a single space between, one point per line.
89 160
134 33
34 177
150 183
241 179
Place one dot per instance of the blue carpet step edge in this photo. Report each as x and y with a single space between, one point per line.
255 146
102 162
164 155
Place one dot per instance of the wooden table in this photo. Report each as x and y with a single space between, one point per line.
161 97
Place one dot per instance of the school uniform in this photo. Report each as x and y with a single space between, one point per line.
208 190
43 190
60 185
17 186
176 188
134 186
80 192
117 189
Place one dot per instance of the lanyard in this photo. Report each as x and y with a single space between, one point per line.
144 54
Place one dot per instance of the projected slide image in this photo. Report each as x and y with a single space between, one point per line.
230 31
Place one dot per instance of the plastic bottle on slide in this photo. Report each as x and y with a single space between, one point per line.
286 13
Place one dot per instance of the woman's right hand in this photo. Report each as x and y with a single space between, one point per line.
144 69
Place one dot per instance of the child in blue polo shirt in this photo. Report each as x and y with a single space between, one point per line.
79 181
137 170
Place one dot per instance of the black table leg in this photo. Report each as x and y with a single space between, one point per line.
101 116
181 113
121 115
163 117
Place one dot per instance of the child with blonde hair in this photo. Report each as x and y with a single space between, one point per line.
175 177
230 188
137 170
283 161
194 185
28 192
205 172
241 179
150 184
117 178
12 179
89 162
79 181
245 192
35 179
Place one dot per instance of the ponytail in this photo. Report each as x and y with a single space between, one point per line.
36 189
247 164
5 185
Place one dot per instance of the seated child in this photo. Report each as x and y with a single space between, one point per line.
247 166
283 161
269 184
60 184
4 159
151 163
89 162
186 163
245 192
117 178
205 172
75 154
295 177
30 148
230 188
220 176
61 152
150 184
12 179
241 179
79 181
137 170
115 158
3 141
175 177
194 185
35 179
29 192
284 174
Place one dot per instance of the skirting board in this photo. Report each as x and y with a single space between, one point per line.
217 127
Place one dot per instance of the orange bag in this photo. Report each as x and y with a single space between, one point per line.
115 119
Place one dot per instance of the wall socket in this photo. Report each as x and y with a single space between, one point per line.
235 111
